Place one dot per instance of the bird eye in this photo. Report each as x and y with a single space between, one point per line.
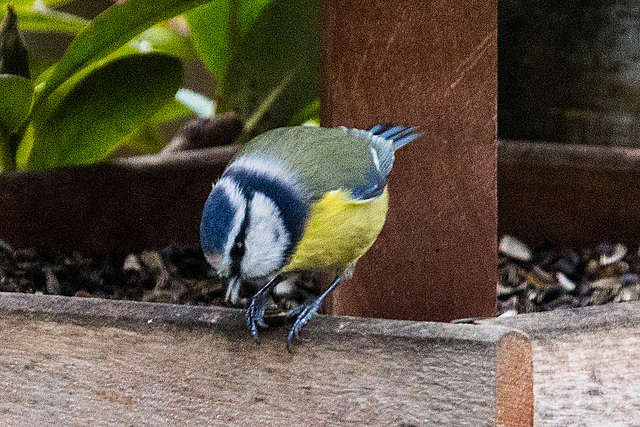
237 250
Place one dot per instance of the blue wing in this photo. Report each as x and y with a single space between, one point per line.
383 140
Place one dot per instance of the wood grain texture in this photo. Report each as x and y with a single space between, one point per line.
136 203
568 194
430 64
88 362
586 364
514 394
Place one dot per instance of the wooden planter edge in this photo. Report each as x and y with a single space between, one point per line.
573 320
492 364
568 194
142 202
586 363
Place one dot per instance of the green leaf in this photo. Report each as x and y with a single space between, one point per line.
217 28
109 31
171 111
52 3
155 39
87 117
160 39
16 94
41 18
145 139
277 65
309 114
6 159
36 3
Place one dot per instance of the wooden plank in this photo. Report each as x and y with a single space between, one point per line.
430 64
568 194
79 362
586 364
135 203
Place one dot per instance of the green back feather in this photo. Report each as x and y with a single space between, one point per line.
324 159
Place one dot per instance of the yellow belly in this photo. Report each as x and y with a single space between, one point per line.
340 230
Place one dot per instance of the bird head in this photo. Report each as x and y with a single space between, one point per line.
251 221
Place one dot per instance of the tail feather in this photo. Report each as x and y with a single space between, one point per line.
399 135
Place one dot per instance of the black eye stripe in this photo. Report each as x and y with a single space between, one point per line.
238 249
293 207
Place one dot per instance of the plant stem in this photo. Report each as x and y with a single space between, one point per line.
270 99
234 27
6 159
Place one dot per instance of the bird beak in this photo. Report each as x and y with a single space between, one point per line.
233 290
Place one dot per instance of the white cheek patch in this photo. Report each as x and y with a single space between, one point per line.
222 262
266 240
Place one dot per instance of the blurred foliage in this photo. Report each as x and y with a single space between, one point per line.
264 56
41 16
112 80
120 76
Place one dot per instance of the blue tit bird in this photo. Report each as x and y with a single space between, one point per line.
298 200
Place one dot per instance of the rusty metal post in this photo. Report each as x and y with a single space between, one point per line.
432 64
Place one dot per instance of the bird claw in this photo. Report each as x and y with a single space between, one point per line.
295 311
306 312
255 314
303 313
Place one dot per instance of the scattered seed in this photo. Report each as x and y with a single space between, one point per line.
616 254
514 248
556 278
606 283
567 284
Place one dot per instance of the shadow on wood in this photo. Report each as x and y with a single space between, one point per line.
135 203
568 194
114 362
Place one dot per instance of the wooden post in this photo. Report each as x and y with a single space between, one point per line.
431 64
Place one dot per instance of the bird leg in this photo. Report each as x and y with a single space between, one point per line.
305 312
255 313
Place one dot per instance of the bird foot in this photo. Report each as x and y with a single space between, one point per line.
255 314
304 313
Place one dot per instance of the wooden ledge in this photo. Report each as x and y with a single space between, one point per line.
586 364
568 156
118 362
573 321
